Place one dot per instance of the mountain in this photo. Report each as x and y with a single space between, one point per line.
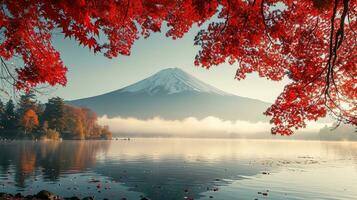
174 94
171 81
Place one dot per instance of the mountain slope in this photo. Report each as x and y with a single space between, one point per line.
171 81
174 94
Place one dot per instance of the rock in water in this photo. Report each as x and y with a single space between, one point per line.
5 196
72 198
88 198
46 195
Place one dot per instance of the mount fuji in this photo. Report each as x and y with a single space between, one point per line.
171 81
174 94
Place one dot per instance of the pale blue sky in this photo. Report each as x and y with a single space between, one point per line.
90 75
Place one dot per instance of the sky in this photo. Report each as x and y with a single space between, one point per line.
91 75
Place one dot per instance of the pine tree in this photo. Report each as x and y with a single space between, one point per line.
27 102
9 119
2 112
54 114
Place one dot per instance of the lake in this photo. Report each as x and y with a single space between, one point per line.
165 169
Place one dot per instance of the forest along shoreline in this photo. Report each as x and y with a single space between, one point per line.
54 120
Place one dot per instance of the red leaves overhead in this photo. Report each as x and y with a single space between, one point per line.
27 27
313 42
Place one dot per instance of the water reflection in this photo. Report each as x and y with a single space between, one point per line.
51 158
202 164
160 168
173 178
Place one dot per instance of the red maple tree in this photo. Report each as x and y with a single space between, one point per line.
312 42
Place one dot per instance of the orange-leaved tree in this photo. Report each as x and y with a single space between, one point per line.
312 42
29 120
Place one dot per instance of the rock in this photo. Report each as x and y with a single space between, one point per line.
5 196
264 193
72 198
29 197
46 195
18 195
144 198
88 198
94 181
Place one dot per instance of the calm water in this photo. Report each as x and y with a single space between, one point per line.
164 169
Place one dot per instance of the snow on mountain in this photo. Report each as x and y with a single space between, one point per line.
174 94
171 81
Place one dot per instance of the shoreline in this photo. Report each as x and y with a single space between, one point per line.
177 138
47 195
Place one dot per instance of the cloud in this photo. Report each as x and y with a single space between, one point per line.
192 127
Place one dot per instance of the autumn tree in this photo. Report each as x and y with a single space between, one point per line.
74 127
29 121
81 123
106 133
90 121
311 42
58 120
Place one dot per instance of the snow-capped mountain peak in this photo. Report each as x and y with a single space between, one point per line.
173 94
171 81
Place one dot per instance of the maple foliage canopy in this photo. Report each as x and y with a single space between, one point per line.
312 42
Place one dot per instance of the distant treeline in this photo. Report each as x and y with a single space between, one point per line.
53 120
342 132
